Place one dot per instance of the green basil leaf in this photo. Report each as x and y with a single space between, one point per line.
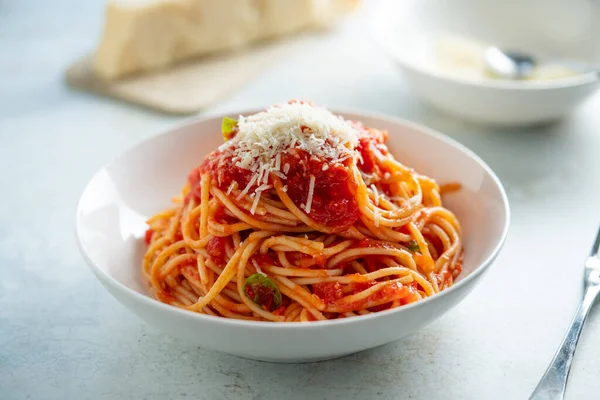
227 127
262 291
414 247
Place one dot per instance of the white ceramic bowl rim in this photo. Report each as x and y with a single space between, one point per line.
377 30
313 324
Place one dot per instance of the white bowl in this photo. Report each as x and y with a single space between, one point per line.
408 31
111 223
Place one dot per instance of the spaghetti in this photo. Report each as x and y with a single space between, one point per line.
302 216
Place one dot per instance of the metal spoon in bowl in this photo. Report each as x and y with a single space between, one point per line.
515 65
554 382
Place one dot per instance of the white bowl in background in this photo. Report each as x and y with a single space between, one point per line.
110 226
408 31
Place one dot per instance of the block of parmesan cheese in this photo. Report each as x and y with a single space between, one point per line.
141 35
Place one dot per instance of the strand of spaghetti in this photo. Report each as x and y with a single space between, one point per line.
418 278
217 229
354 253
354 278
363 294
292 244
304 316
200 290
295 313
181 297
253 242
383 232
329 240
441 260
232 294
245 204
230 314
175 262
237 240
358 267
432 278
188 226
162 215
445 215
329 251
229 249
205 184
362 229
297 293
369 303
279 211
160 260
175 224
221 282
263 213
282 258
405 280
300 293
302 271
254 222
290 309
450 187
427 263
211 266
287 201
455 240
275 203
152 250
431 191
219 299
202 269
391 218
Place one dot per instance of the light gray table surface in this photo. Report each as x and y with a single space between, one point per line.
62 336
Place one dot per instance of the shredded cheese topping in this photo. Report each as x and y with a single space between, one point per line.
311 190
262 137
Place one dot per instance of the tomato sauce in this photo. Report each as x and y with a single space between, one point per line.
191 271
216 250
148 236
265 260
261 295
224 171
329 292
367 139
302 260
333 203
332 292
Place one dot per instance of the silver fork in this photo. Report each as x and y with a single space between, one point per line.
553 383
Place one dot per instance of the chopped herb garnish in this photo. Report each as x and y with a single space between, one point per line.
228 127
414 246
262 291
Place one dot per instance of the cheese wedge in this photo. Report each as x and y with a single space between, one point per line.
141 35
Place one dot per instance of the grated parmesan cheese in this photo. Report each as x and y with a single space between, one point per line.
231 187
376 217
375 194
248 186
311 190
255 202
258 269
262 137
